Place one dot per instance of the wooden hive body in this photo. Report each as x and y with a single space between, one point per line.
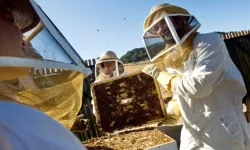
127 102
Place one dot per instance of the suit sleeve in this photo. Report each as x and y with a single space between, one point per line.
207 71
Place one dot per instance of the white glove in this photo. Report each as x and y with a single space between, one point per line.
163 77
152 70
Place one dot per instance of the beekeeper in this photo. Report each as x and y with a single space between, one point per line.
23 127
202 77
106 67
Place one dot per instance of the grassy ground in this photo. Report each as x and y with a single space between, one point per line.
133 67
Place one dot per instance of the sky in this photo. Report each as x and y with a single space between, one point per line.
94 26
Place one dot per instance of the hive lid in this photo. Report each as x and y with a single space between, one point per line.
127 101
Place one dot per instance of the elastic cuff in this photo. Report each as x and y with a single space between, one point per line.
170 85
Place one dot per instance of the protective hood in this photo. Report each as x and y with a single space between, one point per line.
101 73
48 76
108 55
168 32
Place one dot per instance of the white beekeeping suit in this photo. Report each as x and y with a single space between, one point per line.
210 97
210 88
23 128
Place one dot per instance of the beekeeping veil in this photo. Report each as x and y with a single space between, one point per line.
108 56
49 77
164 29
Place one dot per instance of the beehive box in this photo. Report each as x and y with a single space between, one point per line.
147 138
125 103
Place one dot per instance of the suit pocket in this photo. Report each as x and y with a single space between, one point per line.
218 134
233 127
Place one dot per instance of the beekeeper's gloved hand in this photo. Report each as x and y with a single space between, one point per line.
80 124
163 77
152 70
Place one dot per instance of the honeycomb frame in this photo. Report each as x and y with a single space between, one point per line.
120 102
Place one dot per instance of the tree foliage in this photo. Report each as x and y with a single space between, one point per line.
135 55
